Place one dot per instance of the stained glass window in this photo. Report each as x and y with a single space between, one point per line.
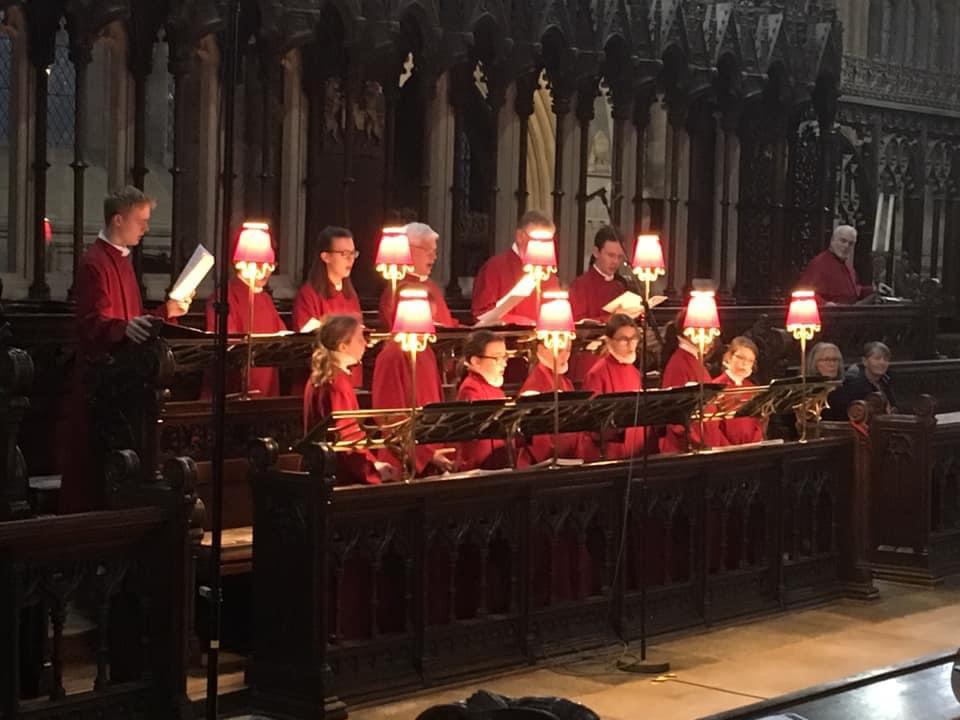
61 90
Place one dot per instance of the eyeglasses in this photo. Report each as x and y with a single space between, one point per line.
829 359
744 360
626 340
345 254
496 358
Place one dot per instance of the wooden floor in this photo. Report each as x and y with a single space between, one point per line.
738 666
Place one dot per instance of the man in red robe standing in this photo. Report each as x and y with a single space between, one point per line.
501 272
831 275
594 289
423 250
109 314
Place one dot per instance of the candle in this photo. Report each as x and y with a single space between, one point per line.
877 223
886 237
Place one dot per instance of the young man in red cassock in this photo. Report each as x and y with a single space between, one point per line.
265 381
423 250
540 381
683 366
109 314
501 272
328 289
391 389
831 275
485 356
616 372
594 289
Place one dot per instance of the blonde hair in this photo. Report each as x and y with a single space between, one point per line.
335 330
741 342
816 351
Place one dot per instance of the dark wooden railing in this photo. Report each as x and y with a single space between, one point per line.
406 585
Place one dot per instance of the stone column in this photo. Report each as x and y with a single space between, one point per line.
439 127
81 53
508 143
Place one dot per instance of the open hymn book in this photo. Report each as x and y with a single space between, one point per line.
193 274
508 302
631 304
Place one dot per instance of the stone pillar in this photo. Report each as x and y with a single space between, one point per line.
439 127
291 240
81 53
508 143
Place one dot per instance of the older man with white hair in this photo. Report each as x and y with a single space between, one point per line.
423 248
831 275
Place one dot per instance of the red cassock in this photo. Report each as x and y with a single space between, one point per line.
309 303
486 454
833 280
609 375
540 448
588 294
266 380
108 297
497 276
391 389
739 431
441 313
683 367
337 395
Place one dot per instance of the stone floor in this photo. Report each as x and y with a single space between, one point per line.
731 666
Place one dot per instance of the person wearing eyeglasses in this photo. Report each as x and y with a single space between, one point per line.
739 362
502 272
485 359
682 366
615 371
328 289
423 250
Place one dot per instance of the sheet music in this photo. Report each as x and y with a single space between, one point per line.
311 325
508 302
193 274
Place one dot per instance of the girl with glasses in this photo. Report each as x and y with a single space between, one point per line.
485 359
739 362
615 371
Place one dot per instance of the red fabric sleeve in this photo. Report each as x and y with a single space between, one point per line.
97 332
485 288
304 306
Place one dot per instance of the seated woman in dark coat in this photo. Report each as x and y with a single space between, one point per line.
869 376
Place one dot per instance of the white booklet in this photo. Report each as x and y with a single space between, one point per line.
631 304
193 274
508 302
310 325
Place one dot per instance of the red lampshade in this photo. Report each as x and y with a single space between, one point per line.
556 315
701 311
648 254
394 248
413 314
47 231
803 311
540 251
254 245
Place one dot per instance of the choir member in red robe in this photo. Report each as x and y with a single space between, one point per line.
594 289
540 380
265 381
423 250
109 314
391 389
485 356
738 362
831 275
328 289
683 366
501 272
615 372
340 346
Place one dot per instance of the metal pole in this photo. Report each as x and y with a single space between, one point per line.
556 405
220 376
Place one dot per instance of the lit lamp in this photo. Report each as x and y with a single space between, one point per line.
701 324
413 328
394 260
540 257
648 262
803 322
254 258
555 329
47 231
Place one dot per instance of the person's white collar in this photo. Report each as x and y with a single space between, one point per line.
736 382
343 360
418 276
606 277
688 346
123 250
